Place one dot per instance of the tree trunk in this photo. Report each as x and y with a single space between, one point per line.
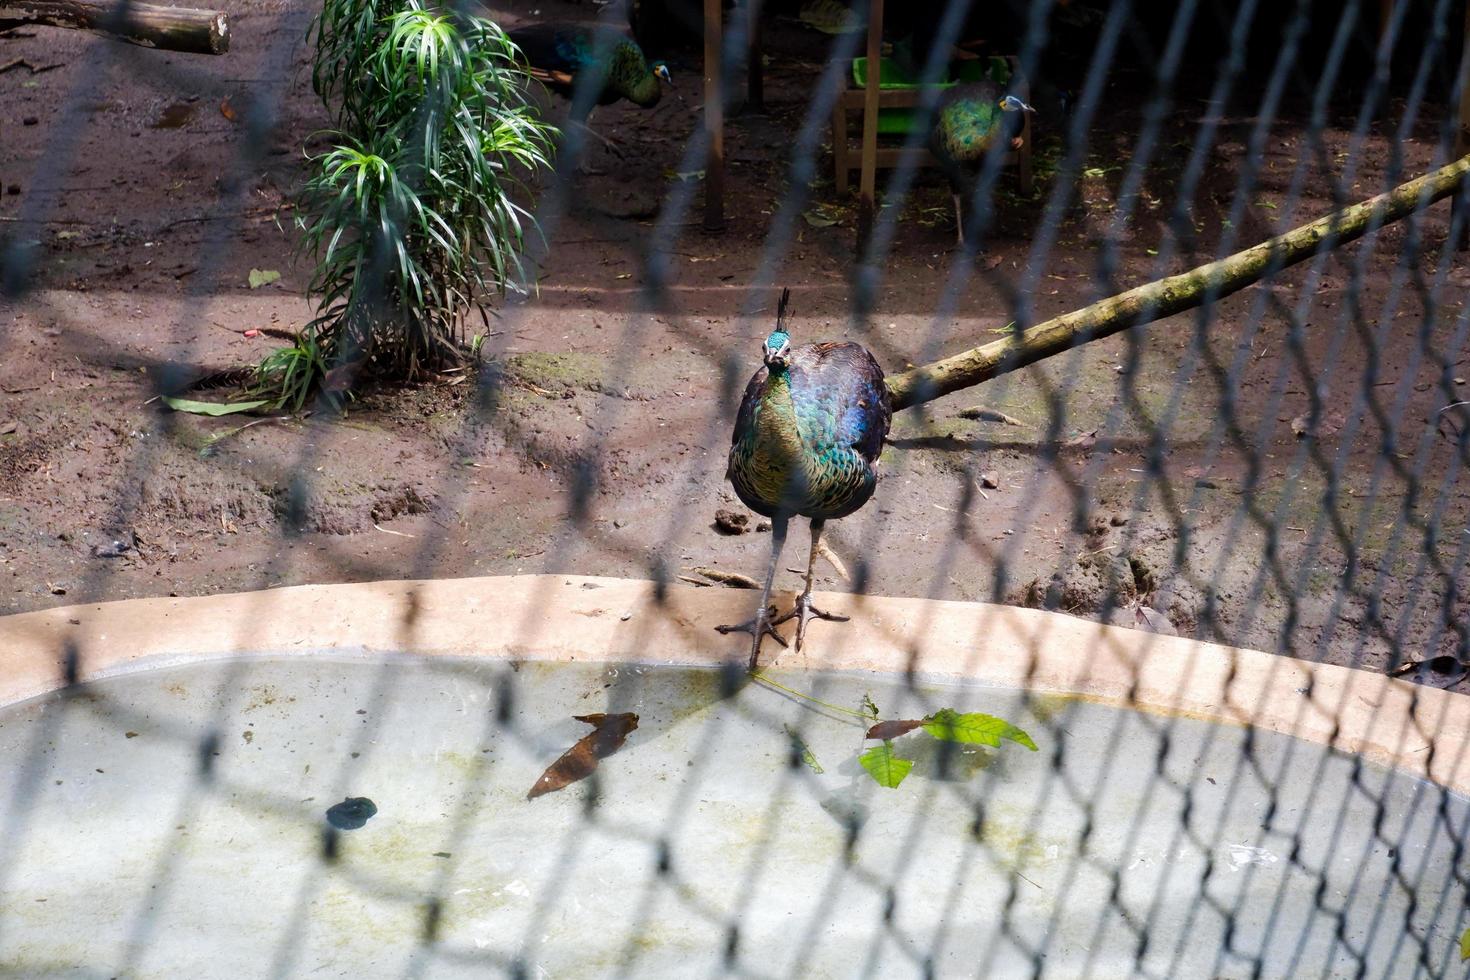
1165 297
169 28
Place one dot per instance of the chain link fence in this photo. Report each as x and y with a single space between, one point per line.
1278 469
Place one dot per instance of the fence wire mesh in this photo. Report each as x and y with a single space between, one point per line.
1276 469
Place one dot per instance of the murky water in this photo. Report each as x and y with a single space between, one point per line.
174 823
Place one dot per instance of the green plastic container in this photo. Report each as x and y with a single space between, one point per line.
891 76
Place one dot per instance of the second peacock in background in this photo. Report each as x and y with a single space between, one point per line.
561 54
970 119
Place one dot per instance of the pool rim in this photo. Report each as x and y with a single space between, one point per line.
1420 730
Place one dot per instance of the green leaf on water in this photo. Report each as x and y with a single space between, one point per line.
798 745
887 769
974 728
1465 945
211 408
263 277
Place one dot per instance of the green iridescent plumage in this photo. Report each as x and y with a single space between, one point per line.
806 443
809 432
969 120
563 51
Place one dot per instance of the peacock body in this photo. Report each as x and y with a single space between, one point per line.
562 52
806 443
970 119
809 432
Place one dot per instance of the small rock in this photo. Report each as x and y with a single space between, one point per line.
1117 520
989 481
352 813
731 521
763 527
63 536
29 121
114 549
620 523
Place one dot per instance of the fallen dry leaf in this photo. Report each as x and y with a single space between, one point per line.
733 579
1085 441
1443 671
580 761
227 110
1150 619
982 414
892 729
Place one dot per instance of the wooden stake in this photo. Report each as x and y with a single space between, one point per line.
867 188
1462 134
1163 298
714 117
755 69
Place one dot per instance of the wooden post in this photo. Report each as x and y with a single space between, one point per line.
840 163
714 117
146 24
755 78
1462 135
867 188
1023 155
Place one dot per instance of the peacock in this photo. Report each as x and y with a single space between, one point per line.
806 443
969 119
559 53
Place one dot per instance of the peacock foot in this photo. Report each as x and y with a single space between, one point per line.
759 628
804 612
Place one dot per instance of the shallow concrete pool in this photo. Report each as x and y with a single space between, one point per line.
172 823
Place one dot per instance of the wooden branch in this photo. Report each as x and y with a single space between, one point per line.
152 26
1165 297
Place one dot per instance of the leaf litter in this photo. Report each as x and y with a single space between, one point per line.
608 734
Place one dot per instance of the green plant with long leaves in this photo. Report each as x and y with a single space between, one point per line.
415 213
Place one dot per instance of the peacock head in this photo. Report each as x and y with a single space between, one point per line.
661 72
778 349
1012 104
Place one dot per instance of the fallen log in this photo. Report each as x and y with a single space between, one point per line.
1174 294
168 28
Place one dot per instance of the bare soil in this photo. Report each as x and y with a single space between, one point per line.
153 183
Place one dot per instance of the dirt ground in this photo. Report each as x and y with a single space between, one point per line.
152 194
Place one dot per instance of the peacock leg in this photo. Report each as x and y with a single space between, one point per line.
804 611
607 141
761 626
959 222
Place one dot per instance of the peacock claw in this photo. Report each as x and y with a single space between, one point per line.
760 627
804 612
